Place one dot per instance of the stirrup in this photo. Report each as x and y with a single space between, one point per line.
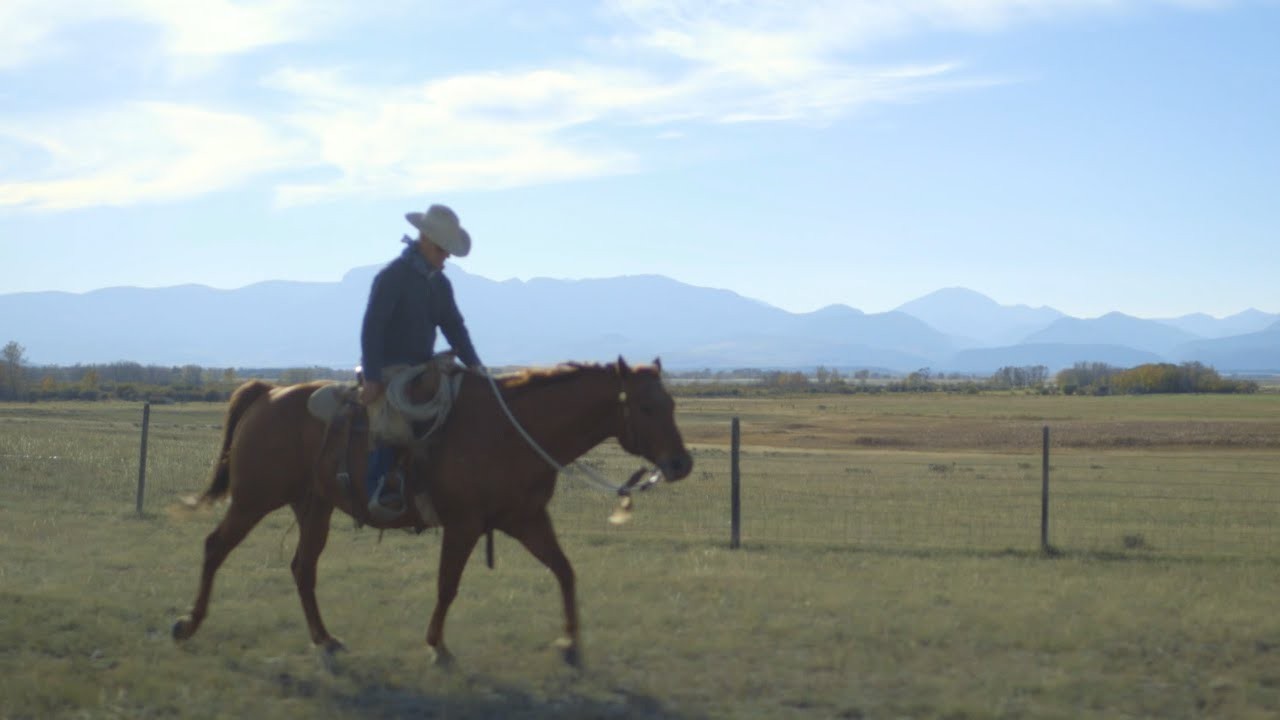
383 507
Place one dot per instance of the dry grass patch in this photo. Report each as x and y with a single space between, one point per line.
994 423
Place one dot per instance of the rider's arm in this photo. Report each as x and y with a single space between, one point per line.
451 322
377 319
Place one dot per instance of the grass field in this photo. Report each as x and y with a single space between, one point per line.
890 568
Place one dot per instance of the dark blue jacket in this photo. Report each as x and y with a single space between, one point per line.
408 301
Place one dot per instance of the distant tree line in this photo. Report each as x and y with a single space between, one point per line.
133 381
158 383
12 359
707 383
1191 377
1030 378
1084 378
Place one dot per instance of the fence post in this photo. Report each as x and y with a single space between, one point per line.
735 494
1044 497
142 454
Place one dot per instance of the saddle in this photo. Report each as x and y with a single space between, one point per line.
333 400
337 405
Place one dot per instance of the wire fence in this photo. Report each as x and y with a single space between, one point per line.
1196 503
1218 504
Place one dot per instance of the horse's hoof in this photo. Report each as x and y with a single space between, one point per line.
569 653
329 650
331 646
442 657
183 628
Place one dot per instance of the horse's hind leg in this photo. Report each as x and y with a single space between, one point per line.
234 527
539 538
456 547
313 531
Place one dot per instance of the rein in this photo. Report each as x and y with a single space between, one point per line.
592 478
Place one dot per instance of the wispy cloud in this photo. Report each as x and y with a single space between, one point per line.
32 30
498 130
774 38
143 152
670 63
464 132
223 27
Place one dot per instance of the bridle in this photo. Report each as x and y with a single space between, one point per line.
627 426
590 476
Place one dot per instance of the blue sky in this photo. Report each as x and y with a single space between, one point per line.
1089 155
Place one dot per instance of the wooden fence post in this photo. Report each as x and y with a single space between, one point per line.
142 454
735 494
1044 497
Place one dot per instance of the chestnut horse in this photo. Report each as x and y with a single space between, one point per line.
482 475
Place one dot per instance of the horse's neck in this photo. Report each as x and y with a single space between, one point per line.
570 417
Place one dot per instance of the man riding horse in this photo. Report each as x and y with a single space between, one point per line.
408 300
275 450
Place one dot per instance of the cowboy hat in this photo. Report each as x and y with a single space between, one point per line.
440 225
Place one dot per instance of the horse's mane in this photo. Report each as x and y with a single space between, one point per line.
542 377
539 377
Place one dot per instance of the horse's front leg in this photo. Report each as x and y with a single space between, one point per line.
314 514
459 540
539 538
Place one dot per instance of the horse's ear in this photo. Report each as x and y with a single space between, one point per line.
623 370
657 362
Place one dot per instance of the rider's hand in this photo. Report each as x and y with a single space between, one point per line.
371 391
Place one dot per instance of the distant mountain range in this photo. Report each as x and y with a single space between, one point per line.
544 321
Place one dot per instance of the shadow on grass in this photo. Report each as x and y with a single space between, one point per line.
466 695
1134 551
1159 558
1146 556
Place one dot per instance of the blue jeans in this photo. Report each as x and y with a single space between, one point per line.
380 460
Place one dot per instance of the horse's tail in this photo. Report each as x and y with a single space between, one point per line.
241 399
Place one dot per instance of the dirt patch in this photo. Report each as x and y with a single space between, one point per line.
869 441
1147 434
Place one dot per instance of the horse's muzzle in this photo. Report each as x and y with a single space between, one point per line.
677 468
